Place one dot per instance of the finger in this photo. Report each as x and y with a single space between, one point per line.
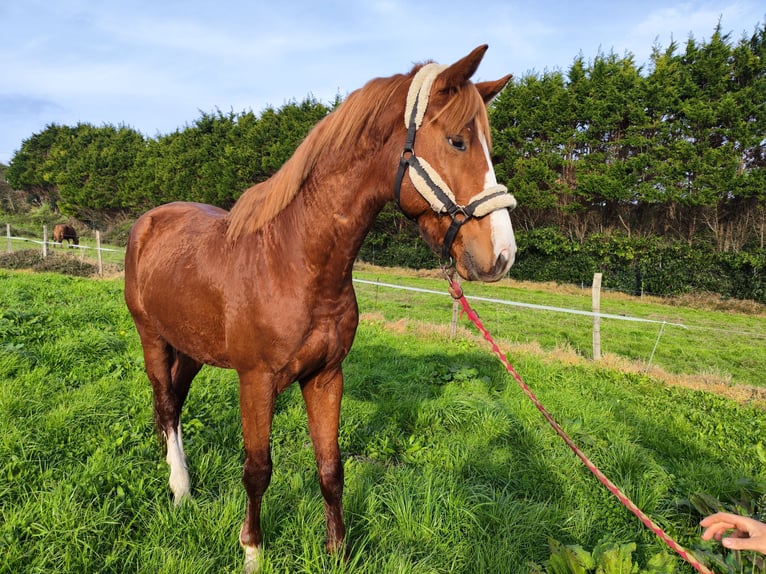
738 543
716 530
718 517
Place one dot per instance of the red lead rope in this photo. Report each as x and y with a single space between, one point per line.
457 293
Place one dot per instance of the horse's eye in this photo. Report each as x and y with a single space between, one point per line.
457 142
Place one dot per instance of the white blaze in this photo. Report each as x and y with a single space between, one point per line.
503 239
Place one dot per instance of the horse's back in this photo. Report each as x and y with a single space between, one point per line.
172 225
168 257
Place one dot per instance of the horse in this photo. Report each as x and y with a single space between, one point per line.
266 288
62 231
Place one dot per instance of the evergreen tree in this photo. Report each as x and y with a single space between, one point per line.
678 150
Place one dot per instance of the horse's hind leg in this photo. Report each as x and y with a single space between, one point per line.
182 372
171 373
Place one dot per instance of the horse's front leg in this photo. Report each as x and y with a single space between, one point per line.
322 394
256 400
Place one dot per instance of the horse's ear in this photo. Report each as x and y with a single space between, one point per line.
458 74
489 90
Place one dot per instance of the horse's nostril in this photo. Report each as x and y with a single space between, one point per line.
500 263
502 259
503 262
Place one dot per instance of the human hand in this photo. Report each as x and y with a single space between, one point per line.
748 533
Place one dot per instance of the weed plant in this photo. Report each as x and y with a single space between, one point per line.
448 466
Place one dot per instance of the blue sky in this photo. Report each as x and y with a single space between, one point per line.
155 65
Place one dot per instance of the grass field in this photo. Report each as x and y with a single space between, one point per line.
448 467
718 345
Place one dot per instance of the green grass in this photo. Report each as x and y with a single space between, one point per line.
717 344
449 468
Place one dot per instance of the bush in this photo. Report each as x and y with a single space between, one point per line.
640 265
55 263
24 230
117 233
66 266
25 259
45 214
636 265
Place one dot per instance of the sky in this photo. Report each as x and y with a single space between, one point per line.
157 65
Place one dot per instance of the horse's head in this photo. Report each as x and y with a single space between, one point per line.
451 190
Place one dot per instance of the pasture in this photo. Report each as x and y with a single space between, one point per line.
712 342
448 467
112 256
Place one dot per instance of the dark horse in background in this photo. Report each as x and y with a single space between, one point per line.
266 289
62 231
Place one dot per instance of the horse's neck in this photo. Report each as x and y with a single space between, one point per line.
330 218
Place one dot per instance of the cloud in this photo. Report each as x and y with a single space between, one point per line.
155 65
697 20
13 106
689 16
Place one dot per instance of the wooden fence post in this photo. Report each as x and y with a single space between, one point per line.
45 241
8 234
98 250
596 296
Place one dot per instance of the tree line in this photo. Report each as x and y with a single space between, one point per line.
89 172
606 157
677 150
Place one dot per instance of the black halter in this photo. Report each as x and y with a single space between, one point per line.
459 214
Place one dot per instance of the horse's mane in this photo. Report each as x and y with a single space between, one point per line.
345 131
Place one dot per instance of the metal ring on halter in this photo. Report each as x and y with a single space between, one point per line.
458 210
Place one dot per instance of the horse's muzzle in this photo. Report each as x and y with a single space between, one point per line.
469 268
502 264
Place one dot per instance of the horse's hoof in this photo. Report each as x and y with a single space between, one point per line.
178 500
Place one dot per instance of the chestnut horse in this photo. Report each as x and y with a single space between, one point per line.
266 289
62 231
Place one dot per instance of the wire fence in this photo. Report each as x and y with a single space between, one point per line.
739 344
97 251
717 347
